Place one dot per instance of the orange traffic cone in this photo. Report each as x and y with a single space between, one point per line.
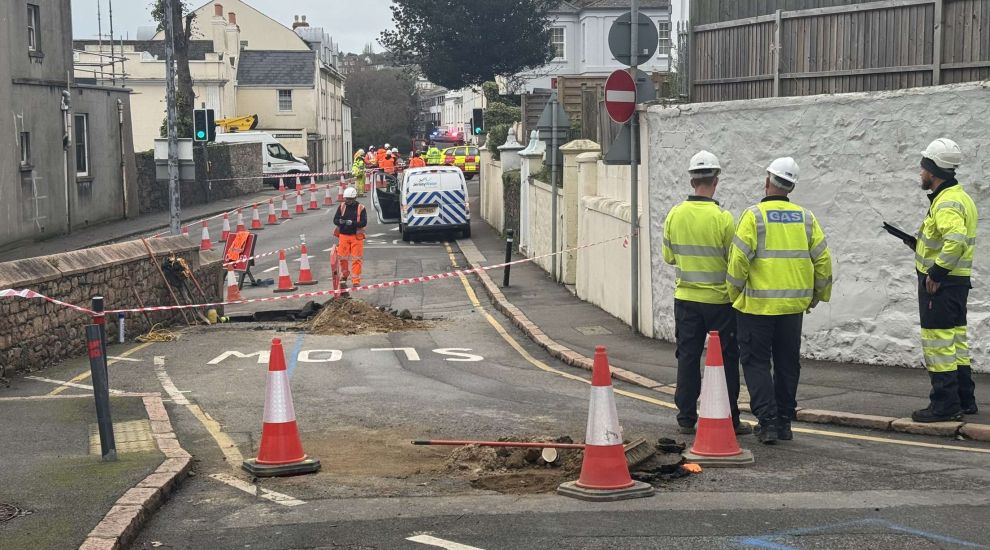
205 243
285 215
715 444
604 472
240 222
280 452
255 219
299 185
185 230
233 290
328 197
314 204
284 281
226 228
281 185
299 203
272 218
334 269
305 274
340 190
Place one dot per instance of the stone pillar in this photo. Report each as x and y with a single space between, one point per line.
531 161
571 203
510 153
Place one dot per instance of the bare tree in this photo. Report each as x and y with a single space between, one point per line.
182 23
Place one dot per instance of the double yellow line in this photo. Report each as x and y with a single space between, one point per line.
473 297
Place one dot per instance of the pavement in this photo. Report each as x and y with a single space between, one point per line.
869 396
468 372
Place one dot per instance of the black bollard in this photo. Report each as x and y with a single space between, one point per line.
508 258
101 391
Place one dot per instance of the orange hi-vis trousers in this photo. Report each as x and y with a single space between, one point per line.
350 251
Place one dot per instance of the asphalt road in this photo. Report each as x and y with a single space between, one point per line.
468 374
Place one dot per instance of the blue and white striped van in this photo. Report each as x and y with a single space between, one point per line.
434 198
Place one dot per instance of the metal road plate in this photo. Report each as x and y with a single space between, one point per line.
130 437
594 330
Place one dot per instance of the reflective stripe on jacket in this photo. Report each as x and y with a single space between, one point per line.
947 237
779 260
696 238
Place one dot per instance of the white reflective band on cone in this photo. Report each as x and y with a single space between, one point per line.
714 394
231 278
283 268
304 262
278 405
603 420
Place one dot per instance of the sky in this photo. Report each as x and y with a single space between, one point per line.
351 23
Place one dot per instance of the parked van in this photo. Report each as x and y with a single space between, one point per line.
429 198
276 159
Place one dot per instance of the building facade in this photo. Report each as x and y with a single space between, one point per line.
69 162
579 34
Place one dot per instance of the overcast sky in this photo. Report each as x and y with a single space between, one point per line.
351 23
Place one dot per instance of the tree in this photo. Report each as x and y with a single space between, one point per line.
184 97
383 107
458 44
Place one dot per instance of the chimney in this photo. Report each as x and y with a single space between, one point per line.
299 22
217 10
232 18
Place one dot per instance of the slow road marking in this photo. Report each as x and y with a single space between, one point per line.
440 543
254 490
666 404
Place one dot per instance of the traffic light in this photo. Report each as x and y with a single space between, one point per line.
478 121
204 125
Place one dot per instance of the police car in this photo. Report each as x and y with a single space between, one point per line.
466 157
429 198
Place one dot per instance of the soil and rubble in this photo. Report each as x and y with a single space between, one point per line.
348 317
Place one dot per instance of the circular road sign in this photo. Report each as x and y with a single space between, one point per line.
620 96
620 39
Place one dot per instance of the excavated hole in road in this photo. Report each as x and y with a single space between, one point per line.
524 471
339 317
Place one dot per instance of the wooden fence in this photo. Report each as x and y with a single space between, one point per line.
870 46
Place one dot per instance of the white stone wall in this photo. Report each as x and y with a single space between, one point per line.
540 235
859 157
492 199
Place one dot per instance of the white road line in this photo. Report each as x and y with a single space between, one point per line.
433 541
68 384
299 259
254 490
411 353
166 382
128 359
270 269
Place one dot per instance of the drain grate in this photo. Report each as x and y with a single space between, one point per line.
9 512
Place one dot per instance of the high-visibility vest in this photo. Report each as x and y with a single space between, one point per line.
416 162
947 237
361 231
387 164
433 156
697 234
779 260
357 169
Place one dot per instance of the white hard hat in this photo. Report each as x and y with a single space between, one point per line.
395 149
703 161
786 169
945 153
350 193
387 146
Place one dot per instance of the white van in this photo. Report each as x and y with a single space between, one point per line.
276 159
430 198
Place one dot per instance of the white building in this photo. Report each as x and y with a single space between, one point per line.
458 108
579 34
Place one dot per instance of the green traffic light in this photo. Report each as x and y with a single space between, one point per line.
201 134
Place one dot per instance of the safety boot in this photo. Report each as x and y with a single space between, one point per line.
742 428
766 431
784 432
927 415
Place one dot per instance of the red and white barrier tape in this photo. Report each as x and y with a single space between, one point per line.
374 286
285 176
263 255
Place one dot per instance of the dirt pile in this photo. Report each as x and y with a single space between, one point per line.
348 317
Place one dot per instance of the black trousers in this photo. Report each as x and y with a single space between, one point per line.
692 321
763 338
943 333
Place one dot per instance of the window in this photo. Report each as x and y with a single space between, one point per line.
584 42
25 142
663 28
557 41
34 28
277 151
285 100
82 145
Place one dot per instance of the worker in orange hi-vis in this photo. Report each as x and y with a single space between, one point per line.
351 219
416 161
380 154
388 163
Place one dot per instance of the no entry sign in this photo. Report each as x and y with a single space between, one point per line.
620 96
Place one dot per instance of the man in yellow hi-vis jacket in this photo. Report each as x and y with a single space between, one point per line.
696 238
779 268
944 252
